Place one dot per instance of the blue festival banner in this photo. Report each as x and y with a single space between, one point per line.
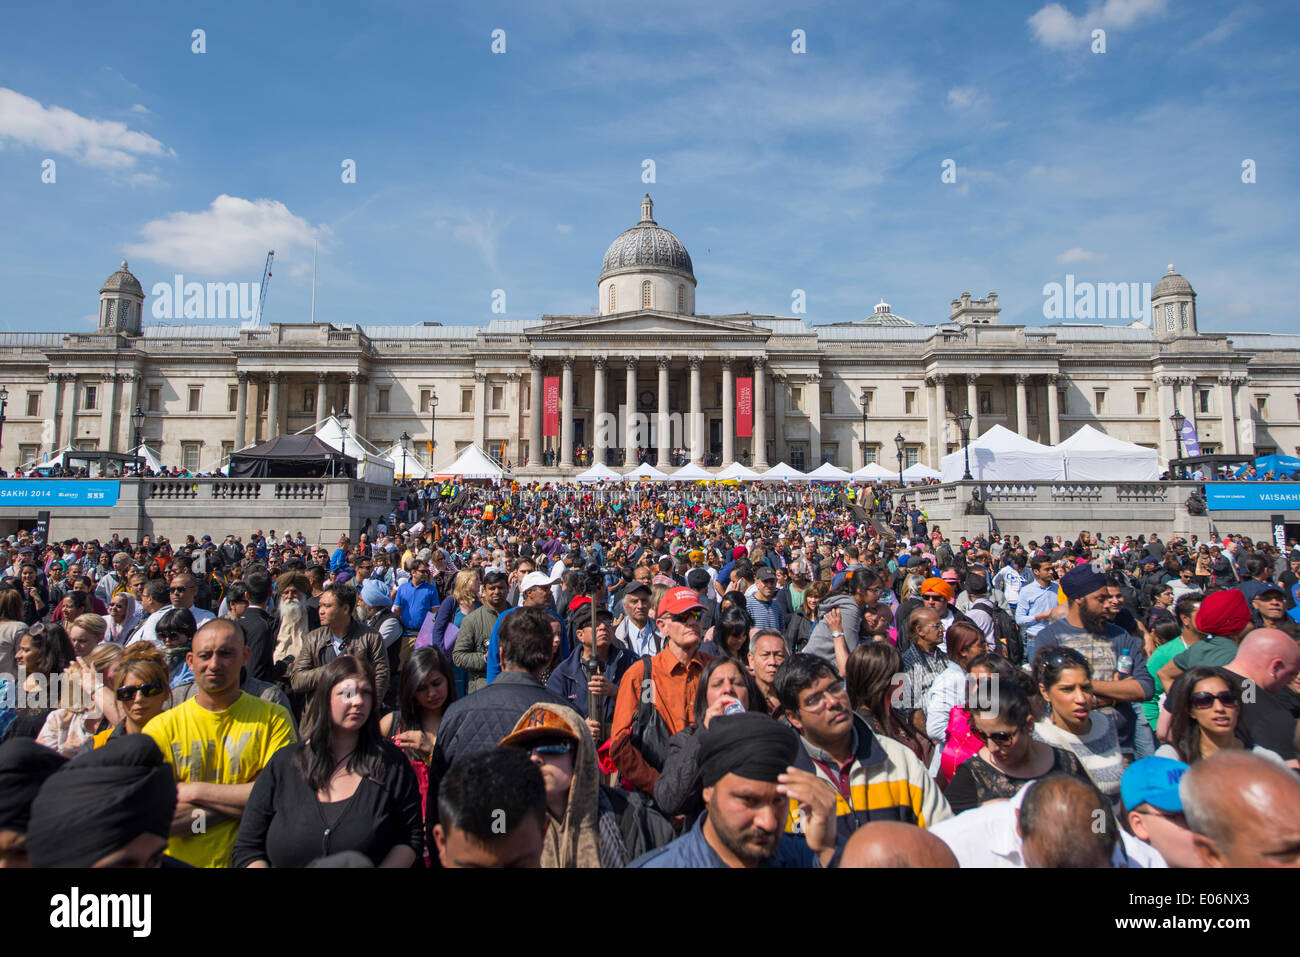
1247 496
56 493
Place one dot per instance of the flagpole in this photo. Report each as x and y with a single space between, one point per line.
315 245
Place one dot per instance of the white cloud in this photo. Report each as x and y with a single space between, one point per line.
481 235
231 235
1080 255
563 228
104 143
1057 28
1225 28
965 97
140 108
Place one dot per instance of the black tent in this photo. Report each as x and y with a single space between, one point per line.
292 456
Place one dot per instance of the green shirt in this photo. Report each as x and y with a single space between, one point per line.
1211 652
1159 658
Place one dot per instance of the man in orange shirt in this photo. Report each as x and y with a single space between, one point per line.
666 703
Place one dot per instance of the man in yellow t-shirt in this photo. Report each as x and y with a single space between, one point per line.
216 743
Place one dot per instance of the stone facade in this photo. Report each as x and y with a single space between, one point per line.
206 390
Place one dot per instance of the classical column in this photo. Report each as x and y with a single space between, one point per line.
1022 405
815 419
972 405
1245 418
1165 403
780 450
69 425
934 409
273 401
354 398
1186 398
110 395
728 412
535 364
1053 411
480 408
695 430
759 441
598 410
662 443
566 414
629 412
516 411
1227 413
322 410
50 406
241 411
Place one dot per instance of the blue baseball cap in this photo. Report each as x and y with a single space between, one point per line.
1153 781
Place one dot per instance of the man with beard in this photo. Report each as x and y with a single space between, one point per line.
1118 659
750 786
292 622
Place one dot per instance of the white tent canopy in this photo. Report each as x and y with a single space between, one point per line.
373 466
598 473
472 463
736 471
691 473
1093 456
919 472
645 471
151 458
1000 455
783 473
826 472
414 469
874 472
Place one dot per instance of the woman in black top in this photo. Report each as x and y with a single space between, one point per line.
1011 757
342 788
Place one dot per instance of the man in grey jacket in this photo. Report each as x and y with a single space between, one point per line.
850 597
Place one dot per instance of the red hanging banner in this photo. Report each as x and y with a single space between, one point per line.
744 408
551 405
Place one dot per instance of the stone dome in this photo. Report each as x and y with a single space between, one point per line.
1172 284
123 281
647 246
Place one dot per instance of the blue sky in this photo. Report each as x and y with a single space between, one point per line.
818 171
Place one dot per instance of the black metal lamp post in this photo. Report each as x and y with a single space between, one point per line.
404 438
1178 419
899 443
433 418
345 419
865 401
4 401
963 422
137 420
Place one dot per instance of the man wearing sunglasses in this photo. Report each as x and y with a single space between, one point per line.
181 591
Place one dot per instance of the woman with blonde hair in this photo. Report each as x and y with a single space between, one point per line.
140 690
86 706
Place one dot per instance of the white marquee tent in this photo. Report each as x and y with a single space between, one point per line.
414 468
373 466
919 473
1093 456
691 473
645 471
783 473
737 472
874 472
826 472
598 473
472 463
1000 455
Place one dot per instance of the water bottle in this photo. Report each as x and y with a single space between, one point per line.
735 707
1125 664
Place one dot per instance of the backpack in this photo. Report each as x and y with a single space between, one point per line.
642 826
649 732
1006 633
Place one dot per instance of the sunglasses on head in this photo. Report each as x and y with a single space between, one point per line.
1205 699
150 690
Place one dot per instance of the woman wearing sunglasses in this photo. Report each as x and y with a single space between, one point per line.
1205 707
139 688
1011 757
1065 683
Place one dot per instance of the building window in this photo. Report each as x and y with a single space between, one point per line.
91 397
264 401
1141 397
1203 401
28 454
523 451
1062 401
383 400
647 294
466 400
1182 309
911 455
871 400
909 402
613 298
1261 405
830 452
86 445
232 399
498 397
496 450
155 399
947 400
797 452
828 401
681 297
424 400
226 449
190 455
525 400
986 402
309 400
870 454
1099 400
796 398
33 403
196 393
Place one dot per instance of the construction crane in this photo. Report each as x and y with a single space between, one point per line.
266 282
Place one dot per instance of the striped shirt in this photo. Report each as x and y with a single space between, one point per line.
1097 750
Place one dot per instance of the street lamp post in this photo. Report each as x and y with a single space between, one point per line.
899 443
433 418
4 401
404 438
137 420
963 422
865 401
345 420
1178 419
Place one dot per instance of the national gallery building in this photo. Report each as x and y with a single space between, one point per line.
810 393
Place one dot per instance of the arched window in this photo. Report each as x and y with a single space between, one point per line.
613 298
647 294
681 297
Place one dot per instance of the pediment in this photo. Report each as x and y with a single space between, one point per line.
639 325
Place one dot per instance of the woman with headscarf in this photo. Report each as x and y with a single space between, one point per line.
123 615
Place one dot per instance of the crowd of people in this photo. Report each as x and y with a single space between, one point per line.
544 675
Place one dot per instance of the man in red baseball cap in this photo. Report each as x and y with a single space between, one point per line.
657 698
1224 619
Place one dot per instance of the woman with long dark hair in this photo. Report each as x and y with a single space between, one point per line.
43 652
730 634
341 788
873 676
1205 707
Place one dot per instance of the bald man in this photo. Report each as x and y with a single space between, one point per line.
895 844
1268 659
1244 811
1058 824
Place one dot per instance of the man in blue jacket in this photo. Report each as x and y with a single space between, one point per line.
569 680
